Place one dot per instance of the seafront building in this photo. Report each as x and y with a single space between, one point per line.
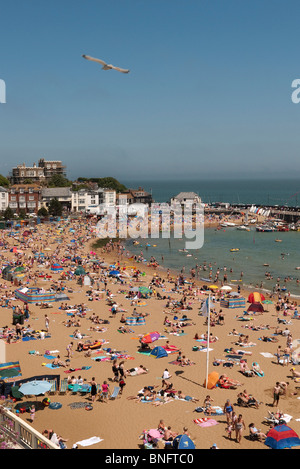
36 174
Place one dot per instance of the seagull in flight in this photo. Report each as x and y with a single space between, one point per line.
105 66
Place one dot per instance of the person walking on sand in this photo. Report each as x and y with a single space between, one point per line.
93 389
46 323
276 394
239 427
70 350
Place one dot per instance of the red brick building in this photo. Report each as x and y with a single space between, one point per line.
25 197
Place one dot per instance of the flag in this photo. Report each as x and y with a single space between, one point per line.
205 308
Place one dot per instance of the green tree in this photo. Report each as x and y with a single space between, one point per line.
43 212
58 180
3 181
55 208
22 214
8 214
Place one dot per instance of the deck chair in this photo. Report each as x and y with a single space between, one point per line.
63 386
115 393
53 389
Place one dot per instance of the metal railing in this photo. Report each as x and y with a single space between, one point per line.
20 434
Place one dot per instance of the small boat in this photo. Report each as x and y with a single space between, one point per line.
234 249
243 228
278 240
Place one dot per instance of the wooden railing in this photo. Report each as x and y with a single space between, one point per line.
21 435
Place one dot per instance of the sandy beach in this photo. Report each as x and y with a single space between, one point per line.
120 422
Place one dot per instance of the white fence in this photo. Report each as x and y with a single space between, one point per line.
21 435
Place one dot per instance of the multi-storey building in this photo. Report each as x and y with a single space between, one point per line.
24 197
40 174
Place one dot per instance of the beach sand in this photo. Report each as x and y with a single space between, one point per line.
120 422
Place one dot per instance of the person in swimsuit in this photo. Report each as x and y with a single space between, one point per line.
228 409
93 389
239 426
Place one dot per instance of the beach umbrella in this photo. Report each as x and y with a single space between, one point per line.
79 271
151 337
35 387
153 433
226 288
282 436
144 290
212 380
256 297
213 287
114 273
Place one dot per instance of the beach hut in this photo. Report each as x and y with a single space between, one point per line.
282 436
159 352
183 442
256 297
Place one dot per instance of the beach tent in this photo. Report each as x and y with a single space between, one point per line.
281 437
159 352
183 442
256 308
212 380
256 297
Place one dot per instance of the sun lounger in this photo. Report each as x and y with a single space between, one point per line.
63 386
53 389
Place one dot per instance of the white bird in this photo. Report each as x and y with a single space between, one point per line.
105 65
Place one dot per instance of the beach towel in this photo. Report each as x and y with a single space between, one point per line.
9 371
205 422
90 441
267 354
52 367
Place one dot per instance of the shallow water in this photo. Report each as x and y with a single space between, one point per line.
255 250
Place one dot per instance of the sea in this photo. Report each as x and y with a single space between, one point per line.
259 262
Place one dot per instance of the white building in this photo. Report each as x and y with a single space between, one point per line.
3 199
85 198
187 198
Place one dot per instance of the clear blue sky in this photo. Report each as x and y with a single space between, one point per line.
208 94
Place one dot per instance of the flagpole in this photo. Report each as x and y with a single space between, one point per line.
208 333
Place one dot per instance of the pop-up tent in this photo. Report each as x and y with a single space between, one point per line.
183 442
256 308
282 436
159 352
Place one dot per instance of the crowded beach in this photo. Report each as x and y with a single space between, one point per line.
124 345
